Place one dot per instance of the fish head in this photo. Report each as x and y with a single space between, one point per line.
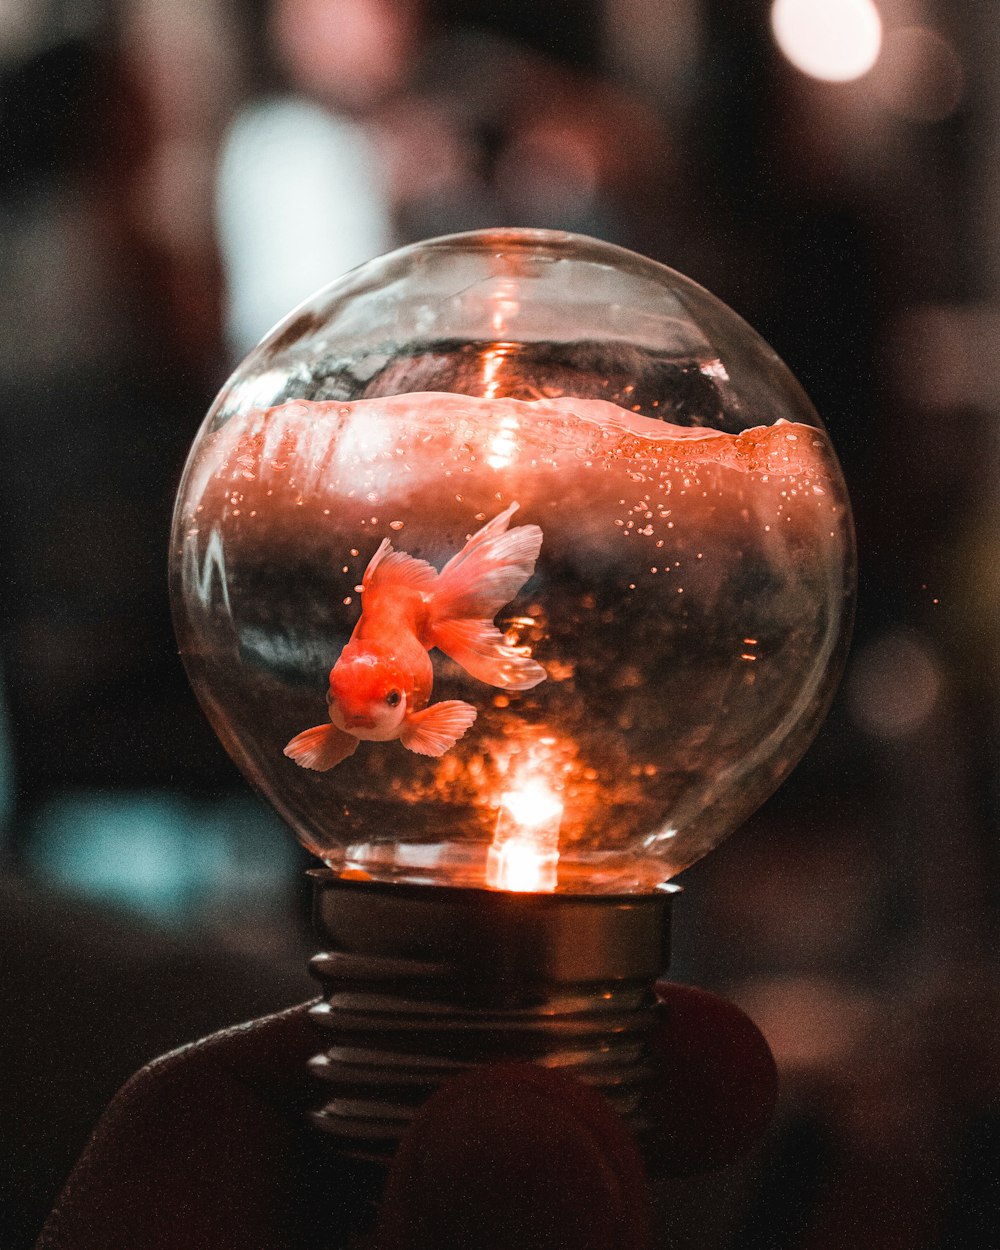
368 694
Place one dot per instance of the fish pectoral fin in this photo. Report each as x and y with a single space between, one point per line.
437 728
321 747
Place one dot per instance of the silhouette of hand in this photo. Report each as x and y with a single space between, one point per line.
208 1148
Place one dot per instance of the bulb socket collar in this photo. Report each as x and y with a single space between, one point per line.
422 982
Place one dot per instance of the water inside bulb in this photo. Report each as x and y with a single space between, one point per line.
686 603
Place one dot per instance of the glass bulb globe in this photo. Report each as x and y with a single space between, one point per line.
513 560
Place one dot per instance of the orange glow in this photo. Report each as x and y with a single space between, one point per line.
534 805
518 866
525 851
491 367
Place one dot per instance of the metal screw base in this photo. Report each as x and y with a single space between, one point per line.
423 982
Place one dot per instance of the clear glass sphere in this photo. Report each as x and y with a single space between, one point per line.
653 589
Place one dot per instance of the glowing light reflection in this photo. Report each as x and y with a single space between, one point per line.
534 805
491 367
518 866
505 305
524 856
503 444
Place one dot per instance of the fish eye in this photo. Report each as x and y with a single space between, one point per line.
393 698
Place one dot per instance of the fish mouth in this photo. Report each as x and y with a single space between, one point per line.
359 722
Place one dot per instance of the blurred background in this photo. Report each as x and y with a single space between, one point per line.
175 176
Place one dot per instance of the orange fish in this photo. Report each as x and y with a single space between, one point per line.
380 687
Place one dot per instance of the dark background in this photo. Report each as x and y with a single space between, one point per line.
146 896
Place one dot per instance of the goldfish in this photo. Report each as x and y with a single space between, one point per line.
380 687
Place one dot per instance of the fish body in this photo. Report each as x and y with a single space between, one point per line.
380 687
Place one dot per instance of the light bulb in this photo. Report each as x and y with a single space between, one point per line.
515 564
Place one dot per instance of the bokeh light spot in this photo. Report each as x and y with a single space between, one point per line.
833 40
919 75
894 685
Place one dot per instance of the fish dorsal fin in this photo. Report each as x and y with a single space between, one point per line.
395 568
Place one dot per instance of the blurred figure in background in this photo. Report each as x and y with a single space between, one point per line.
382 125
300 189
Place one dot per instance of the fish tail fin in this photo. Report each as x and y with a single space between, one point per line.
472 588
484 653
437 728
321 748
489 570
